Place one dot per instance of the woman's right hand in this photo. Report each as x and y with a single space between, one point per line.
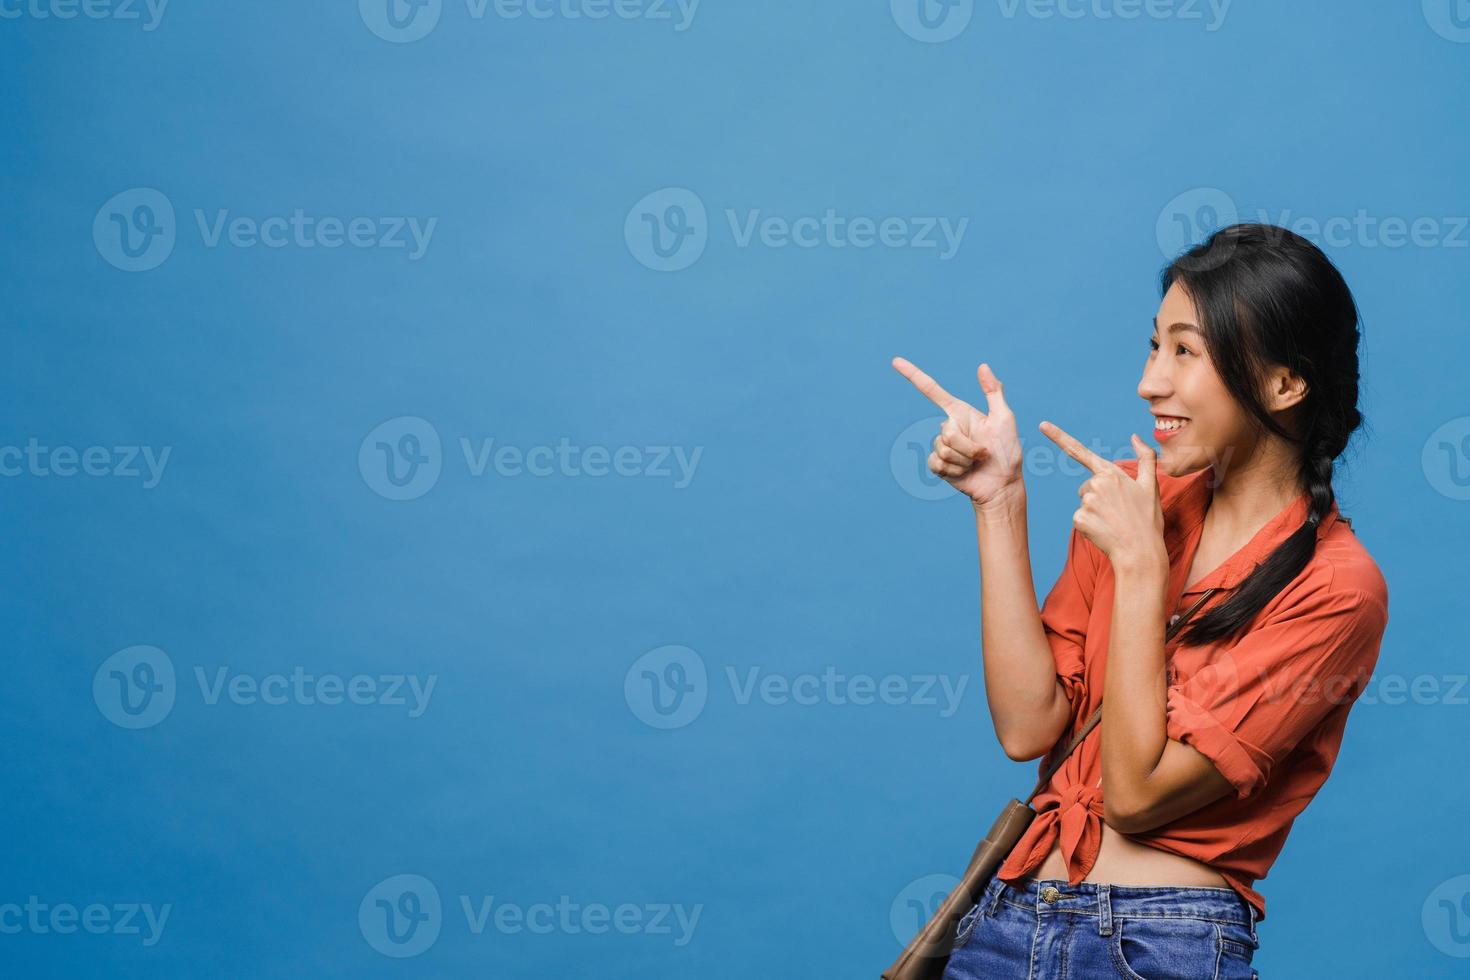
979 454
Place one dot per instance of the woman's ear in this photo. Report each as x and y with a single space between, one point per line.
1285 390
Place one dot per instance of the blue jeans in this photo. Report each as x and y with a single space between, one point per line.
1047 928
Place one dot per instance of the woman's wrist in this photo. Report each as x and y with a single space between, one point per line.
1002 506
1144 568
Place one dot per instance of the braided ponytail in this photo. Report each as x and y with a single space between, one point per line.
1268 297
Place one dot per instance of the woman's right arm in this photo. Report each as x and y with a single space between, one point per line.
1027 704
980 455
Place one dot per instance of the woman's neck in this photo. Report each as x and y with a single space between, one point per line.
1249 493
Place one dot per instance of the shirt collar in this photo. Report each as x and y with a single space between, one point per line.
1184 524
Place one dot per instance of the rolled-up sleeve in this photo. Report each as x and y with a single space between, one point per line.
1065 613
1247 708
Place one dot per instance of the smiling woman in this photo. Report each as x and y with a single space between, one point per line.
1152 832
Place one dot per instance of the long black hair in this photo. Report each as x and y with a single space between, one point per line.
1267 297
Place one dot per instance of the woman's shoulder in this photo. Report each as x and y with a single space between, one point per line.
1341 580
1343 563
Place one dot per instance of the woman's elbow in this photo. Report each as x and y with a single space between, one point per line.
1022 751
1036 741
1127 819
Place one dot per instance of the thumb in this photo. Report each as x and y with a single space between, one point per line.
1147 465
995 398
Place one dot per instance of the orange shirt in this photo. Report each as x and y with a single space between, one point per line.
1267 707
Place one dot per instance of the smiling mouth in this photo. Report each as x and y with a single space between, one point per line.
1167 427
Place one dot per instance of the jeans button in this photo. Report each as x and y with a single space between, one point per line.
1050 894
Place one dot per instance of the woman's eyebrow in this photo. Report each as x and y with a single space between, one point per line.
1177 327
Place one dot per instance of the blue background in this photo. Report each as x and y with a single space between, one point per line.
794 548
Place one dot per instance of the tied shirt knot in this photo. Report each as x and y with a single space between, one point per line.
1074 825
1080 816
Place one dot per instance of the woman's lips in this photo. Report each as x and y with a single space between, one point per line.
1167 427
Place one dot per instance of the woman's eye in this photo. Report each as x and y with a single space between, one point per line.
1153 344
1184 350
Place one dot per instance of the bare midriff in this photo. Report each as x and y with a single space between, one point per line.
1121 861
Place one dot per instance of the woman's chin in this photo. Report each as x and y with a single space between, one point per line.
1180 460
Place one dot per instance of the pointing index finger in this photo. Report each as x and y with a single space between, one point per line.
927 386
1075 449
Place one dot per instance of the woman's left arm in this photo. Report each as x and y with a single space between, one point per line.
1148 778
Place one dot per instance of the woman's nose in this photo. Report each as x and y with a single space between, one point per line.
1153 384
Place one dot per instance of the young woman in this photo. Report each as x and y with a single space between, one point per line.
1148 840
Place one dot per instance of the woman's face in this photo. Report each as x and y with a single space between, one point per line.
1197 423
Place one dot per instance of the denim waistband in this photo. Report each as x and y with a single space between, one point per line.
1109 901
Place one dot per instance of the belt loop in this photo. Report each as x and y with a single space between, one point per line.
997 888
1251 911
1104 909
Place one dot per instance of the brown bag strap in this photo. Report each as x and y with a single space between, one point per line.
1176 623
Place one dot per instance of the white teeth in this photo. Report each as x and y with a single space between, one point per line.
1168 425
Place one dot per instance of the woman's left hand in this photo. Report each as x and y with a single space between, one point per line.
1120 514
